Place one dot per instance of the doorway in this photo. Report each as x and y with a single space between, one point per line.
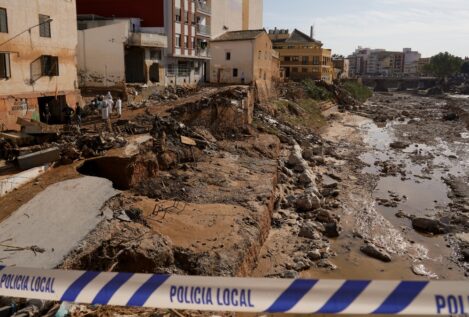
155 73
56 106
135 65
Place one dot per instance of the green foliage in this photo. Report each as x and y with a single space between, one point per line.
465 68
316 92
444 65
357 90
308 113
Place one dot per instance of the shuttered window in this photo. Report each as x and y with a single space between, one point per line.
3 21
50 65
44 27
5 71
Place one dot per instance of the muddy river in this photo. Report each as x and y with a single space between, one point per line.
404 164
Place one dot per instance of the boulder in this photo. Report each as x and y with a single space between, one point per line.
309 231
399 145
451 116
308 202
376 252
332 230
465 254
314 255
308 154
427 225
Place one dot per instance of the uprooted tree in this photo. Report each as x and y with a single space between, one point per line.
444 64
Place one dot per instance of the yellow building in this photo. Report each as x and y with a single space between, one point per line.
301 56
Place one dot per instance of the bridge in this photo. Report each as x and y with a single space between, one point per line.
401 84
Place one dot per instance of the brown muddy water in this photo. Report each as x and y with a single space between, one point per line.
422 192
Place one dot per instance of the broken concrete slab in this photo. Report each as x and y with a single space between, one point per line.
10 183
39 158
56 220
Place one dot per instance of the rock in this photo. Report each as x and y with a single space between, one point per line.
399 145
308 231
308 154
427 225
314 255
283 178
434 91
305 179
324 216
308 202
326 264
451 116
405 113
289 274
332 230
329 182
319 160
375 252
295 163
465 254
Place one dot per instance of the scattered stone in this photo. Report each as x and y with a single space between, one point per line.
332 230
427 225
308 202
376 252
399 145
451 116
314 255
309 231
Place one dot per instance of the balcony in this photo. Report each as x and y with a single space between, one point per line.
148 40
203 30
203 7
202 52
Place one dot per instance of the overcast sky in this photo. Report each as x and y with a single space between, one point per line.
429 26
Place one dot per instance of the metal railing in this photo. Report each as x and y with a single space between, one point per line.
203 30
203 7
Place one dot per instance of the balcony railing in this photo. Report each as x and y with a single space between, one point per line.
202 52
148 40
203 7
203 30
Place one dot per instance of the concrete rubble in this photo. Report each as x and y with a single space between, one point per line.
215 182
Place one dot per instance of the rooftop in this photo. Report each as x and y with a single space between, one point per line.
239 35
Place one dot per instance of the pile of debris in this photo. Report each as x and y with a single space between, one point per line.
172 93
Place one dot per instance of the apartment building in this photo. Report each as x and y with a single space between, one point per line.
236 15
411 62
244 57
37 59
301 56
379 62
114 51
186 23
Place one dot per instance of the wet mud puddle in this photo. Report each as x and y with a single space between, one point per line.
410 182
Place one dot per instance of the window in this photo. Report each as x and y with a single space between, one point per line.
316 60
294 69
178 40
235 72
304 60
287 58
155 54
3 21
304 70
171 70
44 25
295 58
4 66
49 65
228 56
178 15
186 41
186 17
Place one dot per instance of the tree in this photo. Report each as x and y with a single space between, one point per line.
465 67
444 65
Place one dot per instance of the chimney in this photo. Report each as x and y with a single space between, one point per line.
312 32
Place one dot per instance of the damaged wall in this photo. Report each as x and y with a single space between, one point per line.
101 60
24 52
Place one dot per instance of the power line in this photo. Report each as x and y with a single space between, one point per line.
27 30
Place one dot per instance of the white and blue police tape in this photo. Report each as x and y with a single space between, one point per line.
238 294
